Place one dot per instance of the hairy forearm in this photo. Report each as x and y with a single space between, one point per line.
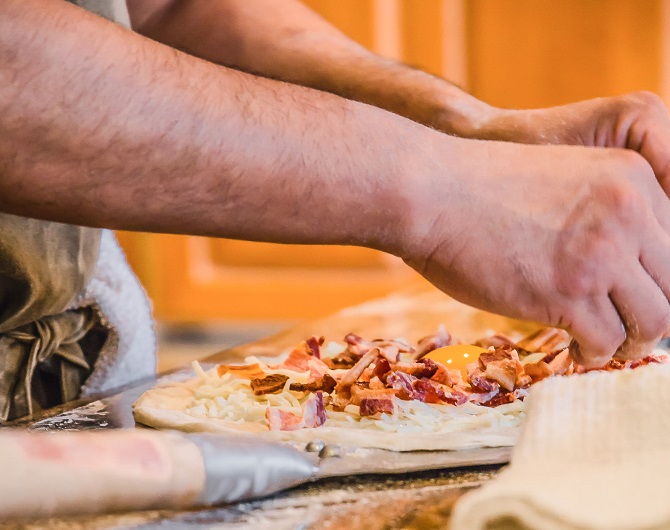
126 133
285 40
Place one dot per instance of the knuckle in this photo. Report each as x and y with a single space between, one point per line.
624 203
648 100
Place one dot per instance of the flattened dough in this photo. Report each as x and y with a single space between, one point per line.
164 407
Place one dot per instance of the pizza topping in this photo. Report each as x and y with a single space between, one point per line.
313 346
498 340
383 386
545 340
376 401
560 364
355 372
249 371
480 382
432 342
401 382
537 371
282 420
423 368
269 385
325 383
302 360
315 411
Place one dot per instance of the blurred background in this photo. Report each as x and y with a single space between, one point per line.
212 293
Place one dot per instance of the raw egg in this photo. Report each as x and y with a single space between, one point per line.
456 356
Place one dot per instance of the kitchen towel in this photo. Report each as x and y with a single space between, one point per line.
594 454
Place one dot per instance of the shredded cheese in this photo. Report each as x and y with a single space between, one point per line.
230 398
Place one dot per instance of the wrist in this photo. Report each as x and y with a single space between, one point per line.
460 114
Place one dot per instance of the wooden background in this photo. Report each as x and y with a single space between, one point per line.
513 53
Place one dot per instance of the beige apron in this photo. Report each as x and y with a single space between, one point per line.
47 351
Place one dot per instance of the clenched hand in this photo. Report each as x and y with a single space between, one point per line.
575 237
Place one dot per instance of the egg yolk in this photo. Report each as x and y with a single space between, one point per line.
456 356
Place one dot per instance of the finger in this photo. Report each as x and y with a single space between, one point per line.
598 331
655 259
654 148
644 310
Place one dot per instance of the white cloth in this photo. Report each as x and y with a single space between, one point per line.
130 351
594 454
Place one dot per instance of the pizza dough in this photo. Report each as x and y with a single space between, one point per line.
165 407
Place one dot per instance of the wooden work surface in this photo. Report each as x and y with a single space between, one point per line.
368 499
409 315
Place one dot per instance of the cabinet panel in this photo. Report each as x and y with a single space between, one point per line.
533 53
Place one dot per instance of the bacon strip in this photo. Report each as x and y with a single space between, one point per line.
282 420
314 415
315 411
427 344
246 371
377 401
268 385
325 383
545 340
355 372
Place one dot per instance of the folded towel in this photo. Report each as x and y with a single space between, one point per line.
129 354
594 454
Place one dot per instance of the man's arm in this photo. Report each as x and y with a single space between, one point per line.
100 126
284 39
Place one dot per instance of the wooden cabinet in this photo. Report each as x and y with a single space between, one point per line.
521 53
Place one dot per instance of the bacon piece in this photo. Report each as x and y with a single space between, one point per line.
503 372
270 384
382 367
441 375
314 414
430 392
390 352
498 340
483 397
357 346
282 420
346 359
456 397
480 383
401 383
313 346
538 371
561 363
326 384
427 344
246 371
500 365
301 361
376 384
422 368
545 340
355 372
376 401
501 398
523 380
456 377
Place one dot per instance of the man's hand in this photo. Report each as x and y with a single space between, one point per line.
637 121
570 236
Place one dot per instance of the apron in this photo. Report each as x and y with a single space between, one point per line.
47 348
